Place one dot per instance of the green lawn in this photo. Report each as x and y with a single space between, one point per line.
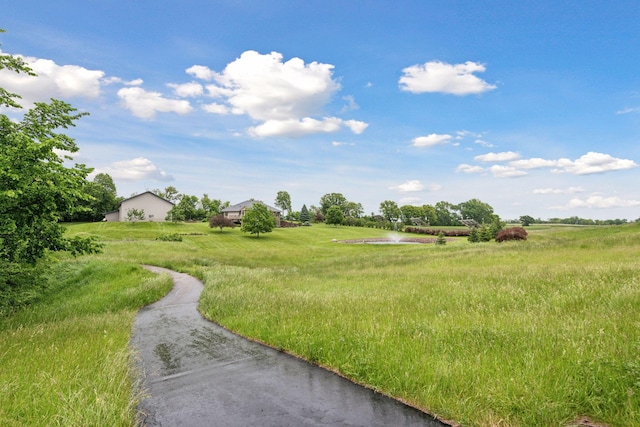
534 333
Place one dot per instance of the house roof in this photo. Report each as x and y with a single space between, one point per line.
247 204
146 192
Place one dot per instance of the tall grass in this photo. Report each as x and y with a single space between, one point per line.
514 334
65 361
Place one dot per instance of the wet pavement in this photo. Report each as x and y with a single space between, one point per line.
196 373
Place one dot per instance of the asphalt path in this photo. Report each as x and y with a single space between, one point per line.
197 373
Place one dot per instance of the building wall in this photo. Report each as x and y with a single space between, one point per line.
155 208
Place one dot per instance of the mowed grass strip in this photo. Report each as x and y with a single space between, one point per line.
540 332
66 360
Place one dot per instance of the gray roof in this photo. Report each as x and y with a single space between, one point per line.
247 204
150 192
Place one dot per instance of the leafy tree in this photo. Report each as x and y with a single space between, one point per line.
333 199
430 215
479 211
526 220
134 215
304 214
410 213
185 210
221 221
258 219
105 197
390 210
36 188
446 214
211 207
283 201
334 215
353 209
170 193
474 235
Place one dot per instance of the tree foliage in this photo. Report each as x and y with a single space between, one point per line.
283 201
527 220
334 216
390 210
305 217
221 222
477 210
258 219
36 187
333 199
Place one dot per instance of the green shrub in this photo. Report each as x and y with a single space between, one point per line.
175 237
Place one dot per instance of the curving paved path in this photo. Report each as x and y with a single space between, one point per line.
197 373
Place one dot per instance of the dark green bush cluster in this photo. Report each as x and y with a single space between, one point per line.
513 233
436 232
175 237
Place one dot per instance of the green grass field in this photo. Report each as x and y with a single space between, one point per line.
535 333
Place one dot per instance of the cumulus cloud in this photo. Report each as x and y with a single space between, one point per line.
305 126
216 108
466 168
534 163
497 157
187 90
570 190
436 76
409 187
137 169
431 140
145 104
501 171
284 95
597 201
591 163
201 72
52 81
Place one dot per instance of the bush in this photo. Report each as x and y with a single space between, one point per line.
513 233
170 237
434 232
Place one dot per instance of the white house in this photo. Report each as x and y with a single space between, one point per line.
155 207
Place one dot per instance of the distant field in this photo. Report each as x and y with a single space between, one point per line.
534 333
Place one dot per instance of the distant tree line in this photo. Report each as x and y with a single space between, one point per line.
526 220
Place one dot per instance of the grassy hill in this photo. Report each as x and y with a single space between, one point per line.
540 332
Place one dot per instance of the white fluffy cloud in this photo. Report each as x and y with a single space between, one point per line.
466 168
52 81
305 126
597 163
431 140
497 157
597 201
501 171
589 163
187 90
436 76
138 169
409 187
284 96
146 104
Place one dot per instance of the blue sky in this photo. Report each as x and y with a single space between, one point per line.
532 107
